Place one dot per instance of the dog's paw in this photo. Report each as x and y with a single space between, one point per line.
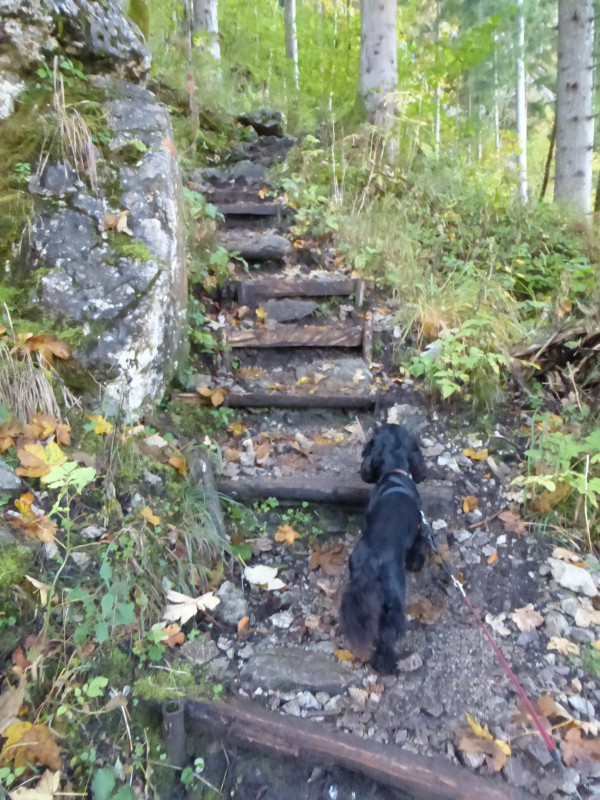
384 662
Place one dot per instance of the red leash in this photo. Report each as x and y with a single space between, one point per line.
548 741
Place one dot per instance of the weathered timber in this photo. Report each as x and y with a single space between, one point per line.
251 292
249 209
255 246
246 724
349 490
298 336
367 342
285 400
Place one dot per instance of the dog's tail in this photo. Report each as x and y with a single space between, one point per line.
360 611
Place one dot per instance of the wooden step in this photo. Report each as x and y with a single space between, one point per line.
252 292
255 246
355 402
344 490
250 209
335 335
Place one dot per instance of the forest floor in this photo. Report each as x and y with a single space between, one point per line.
282 648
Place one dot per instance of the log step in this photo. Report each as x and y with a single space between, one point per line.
252 292
339 335
250 209
343 490
286 400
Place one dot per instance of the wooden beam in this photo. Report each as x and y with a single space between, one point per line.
285 400
247 724
298 336
251 292
250 209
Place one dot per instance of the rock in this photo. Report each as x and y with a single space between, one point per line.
289 310
582 635
282 620
410 416
556 624
410 663
583 706
537 749
9 482
265 121
56 180
559 779
447 460
254 246
473 760
343 374
517 775
138 310
233 606
570 606
6 538
201 650
82 560
574 578
294 669
463 536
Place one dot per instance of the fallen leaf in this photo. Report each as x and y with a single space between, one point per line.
546 501
497 624
24 502
118 701
527 618
149 516
179 463
286 534
492 558
101 426
19 659
470 503
512 522
330 559
236 428
39 527
476 455
343 655
183 607
551 710
574 748
46 789
596 644
47 346
37 459
261 313
41 587
264 577
169 146
481 731
566 555
63 434
35 746
586 616
174 635
476 738
117 222
424 611
563 646
216 396
243 626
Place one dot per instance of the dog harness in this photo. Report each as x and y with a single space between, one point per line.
398 481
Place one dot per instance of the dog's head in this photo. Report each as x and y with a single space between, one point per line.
392 447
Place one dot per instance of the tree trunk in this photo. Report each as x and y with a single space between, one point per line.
496 109
378 53
574 121
548 161
521 103
206 24
291 40
438 88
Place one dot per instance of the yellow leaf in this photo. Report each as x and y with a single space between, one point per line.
476 455
478 730
149 516
24 503
596 644
47 347
217 398
563 646
492 558
264 192
46 788
285 533
236 428
179 463
343 655
469 503
41 587
261 313
303 379
504 746
14 733
101 425
37 459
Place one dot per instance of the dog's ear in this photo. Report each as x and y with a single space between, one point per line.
416 462
371 463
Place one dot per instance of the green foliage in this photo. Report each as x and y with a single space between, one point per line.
139 13
467 363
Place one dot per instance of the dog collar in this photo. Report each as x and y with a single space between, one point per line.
400 472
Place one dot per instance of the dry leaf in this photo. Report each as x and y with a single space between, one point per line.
563 646
11 701
236 428
286 534
586 616
343 655
264 577
117 222
36 746
470 503
497 624
183 607
478 739
149 516
41 587
179 463
547 500
424 611
173 635
476 455
527 618
47 346
37 459
574 748
566 555
169 146
512 522
492 558
46 789
243 626
39 527
261 313
330 559
101 425
216 396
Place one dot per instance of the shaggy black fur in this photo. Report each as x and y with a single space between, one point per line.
372 610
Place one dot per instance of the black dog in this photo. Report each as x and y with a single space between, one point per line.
372 610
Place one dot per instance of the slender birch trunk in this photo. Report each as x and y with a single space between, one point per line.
378 53
521 104
574 120
495 101
291 39
206 22
438 89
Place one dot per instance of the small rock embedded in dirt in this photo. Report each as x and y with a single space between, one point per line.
233 606
574 578
411 663
556 624
81 559
9 481
92 532
289 310
583 706
283 619
201 650
410 416
295 669
448 460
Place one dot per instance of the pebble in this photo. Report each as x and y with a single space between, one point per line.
556 624
583 706
570 606
447 460
92 532
574 578
411 663
462 536
282 620
582 636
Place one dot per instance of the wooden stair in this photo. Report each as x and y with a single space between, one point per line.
332 335
252 292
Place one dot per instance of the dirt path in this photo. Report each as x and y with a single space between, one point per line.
301 373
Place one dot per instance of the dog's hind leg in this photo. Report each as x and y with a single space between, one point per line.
415 555
392 626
